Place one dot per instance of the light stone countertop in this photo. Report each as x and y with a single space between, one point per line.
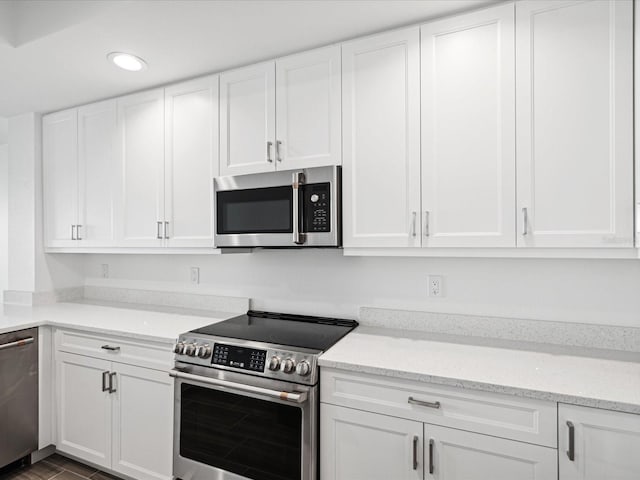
159 324
603 379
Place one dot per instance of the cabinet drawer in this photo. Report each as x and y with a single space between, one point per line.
505 416
145 354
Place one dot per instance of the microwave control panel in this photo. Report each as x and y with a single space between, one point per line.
317 207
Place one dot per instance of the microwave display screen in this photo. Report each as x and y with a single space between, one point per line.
258 210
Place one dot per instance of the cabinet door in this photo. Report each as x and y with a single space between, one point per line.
606 444
468 130
381 140
191 161
97 174
141 169
60 177
142 423
308 107
574 84
83 408
247 120
452 454
357 445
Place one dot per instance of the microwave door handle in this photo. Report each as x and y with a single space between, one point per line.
298 236
293 397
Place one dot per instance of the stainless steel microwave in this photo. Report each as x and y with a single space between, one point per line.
294 208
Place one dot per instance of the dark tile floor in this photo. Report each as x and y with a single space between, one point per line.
59 468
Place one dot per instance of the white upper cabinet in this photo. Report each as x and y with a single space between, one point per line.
248 120
97 174
381 140
141 169
308 107
60 178
605 444
468 130
574 84
191 161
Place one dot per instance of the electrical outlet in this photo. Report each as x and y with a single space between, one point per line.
105 270
195 275
435 286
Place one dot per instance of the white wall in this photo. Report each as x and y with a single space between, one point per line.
30 270
325 282
4 248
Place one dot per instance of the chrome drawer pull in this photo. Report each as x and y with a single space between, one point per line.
422 403
110 348
571 453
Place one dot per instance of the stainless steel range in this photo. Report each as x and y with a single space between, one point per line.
246 397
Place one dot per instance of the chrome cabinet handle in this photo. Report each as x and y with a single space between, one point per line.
269 145
78 227
413 223
105 375
525 220
426 223
112 389
295 397
73 232
422 403
431 468
571 453
110 348
278 145
415 452
297 180
166 230
17 343
158 228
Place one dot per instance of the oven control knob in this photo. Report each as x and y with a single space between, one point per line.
315 198
288 366
190 349
303 369
274 363
178 348
203 351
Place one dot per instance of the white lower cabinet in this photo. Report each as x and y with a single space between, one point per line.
84 409
377 428
598 444
114 415
357 445
142 423
458 455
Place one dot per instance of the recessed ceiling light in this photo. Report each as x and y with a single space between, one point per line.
127 61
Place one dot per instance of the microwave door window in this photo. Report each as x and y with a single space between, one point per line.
259 210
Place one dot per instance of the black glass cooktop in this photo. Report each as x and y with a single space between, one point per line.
317 333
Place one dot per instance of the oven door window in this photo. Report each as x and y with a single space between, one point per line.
250 437
258 210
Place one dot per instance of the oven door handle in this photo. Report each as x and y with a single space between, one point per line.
295 397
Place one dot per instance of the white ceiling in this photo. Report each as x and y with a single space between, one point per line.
53 52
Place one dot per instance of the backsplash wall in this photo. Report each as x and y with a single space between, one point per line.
323 282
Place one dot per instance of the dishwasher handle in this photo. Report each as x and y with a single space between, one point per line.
17 343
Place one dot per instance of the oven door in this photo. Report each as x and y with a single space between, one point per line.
232 426
293 208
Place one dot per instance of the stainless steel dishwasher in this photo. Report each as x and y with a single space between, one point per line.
18 395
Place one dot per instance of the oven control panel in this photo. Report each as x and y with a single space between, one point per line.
279 364
239 357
